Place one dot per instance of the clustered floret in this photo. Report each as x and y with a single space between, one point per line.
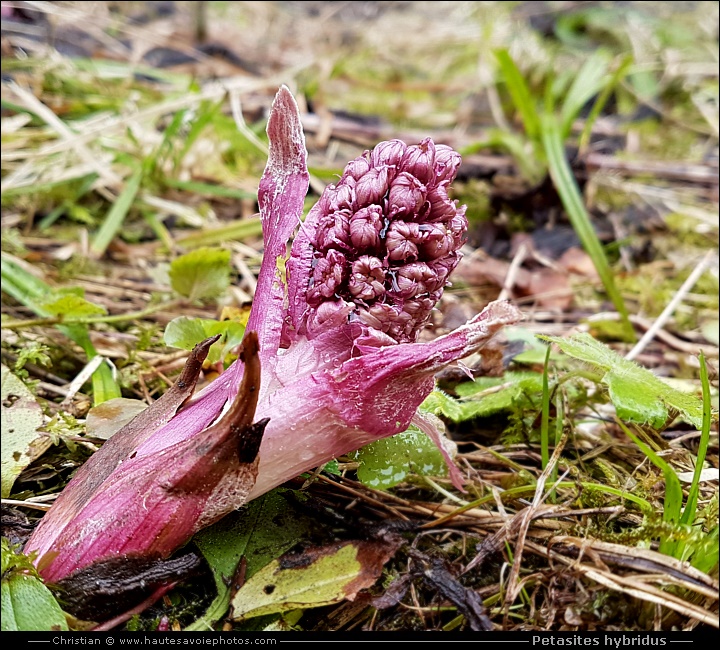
386 239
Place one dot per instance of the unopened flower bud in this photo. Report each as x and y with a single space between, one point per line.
416 278
407 194
388 153
342 197
371 187
328 275
365 227
330 314
419 161
436 241
334 231
447 162
441 207
400 241
358 167
457 227
367 279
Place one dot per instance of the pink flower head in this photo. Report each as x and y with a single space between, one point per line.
341 367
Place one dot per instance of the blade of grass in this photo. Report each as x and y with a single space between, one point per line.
567 188
673 489
209 189
115 217
587 83
688 515
205 113
85 185
158 227
236 230
559 428
520 93
156 160
530 160
601 101
545 417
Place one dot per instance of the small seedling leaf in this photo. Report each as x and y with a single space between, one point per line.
71 305
184 332
202 273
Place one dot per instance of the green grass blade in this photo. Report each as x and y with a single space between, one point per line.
602 99
673 489
587 83
688 515
559 427
104 385
520 93
529 159
26 288
545 417
567 188
115 217
209 189
234 231
205 114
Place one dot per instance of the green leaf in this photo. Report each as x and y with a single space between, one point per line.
441 404
510 388
260 534
638 395
116 215
27 604
184 332
202 273
71 306
21 417
387 462
317 577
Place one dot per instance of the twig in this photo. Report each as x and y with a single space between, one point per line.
671 170
26 504
665 336
671 307
514 585
512 272
82 377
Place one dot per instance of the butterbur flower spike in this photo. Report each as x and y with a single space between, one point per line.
338 346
